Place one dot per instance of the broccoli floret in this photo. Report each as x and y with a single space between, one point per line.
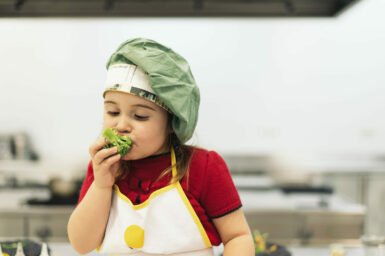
115 140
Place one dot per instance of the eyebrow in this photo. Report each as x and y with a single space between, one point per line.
144 106
136 105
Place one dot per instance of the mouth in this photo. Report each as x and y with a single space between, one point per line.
128 152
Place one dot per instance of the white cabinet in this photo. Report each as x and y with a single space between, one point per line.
367 188
307 226
11 225
375 221
45 222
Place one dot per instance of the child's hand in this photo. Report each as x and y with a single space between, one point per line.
104 163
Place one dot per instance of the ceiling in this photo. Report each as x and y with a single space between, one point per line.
173 8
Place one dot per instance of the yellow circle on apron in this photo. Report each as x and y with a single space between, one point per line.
134 236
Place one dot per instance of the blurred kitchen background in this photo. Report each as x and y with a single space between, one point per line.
292 99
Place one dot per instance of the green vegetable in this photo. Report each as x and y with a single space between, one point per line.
115 140
260 244
12 245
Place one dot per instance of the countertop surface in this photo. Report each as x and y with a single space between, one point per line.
65 249
14 201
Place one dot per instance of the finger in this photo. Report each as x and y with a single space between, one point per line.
111 161
97 146
104 154
114 168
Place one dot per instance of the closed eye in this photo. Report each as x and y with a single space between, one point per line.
141 118
113 113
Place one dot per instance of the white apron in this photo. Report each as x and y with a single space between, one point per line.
165 224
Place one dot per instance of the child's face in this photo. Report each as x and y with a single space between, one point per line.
141 120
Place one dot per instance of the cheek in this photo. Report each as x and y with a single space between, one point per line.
107 122
154 134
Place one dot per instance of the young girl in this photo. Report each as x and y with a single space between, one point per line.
162 197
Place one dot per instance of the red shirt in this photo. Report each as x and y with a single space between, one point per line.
210 190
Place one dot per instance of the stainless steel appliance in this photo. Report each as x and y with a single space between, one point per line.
16 146
293 211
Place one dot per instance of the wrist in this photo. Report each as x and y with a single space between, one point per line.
103 190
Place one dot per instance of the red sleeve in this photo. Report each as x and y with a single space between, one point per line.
219 194
87 182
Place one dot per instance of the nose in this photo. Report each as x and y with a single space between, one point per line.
123 126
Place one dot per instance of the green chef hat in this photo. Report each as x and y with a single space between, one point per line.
170 83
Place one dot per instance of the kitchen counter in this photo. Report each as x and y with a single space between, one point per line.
18 219
39 221
315 219
37 210
325 251
65 249
282 216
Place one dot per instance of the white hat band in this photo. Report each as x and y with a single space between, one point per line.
131 79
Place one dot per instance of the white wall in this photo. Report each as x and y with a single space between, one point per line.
266 84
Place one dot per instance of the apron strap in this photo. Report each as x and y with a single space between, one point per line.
173 162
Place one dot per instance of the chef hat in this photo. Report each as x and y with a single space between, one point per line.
155 72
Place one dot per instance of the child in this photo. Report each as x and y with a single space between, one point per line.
162 197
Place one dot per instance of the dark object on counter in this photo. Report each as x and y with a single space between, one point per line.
63 192
61 188
306 189
30 248
280 251
54 200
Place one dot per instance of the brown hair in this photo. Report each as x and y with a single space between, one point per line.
183 155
